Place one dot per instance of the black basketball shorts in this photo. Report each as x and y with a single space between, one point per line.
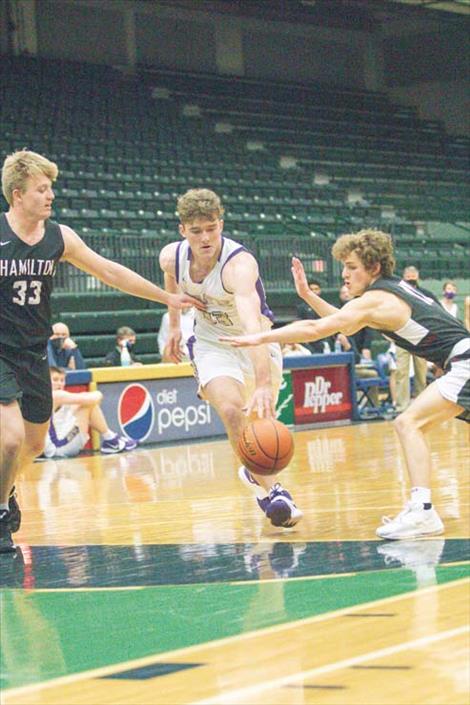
24 376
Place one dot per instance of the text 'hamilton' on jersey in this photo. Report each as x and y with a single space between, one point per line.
26 278
431 332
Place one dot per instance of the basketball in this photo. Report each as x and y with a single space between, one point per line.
266 446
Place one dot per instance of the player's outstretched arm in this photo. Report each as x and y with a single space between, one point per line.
319 305
347 320
172 347
116 275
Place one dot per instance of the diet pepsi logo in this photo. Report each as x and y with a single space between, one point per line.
136 412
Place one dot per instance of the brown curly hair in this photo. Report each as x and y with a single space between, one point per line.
371 246
199 203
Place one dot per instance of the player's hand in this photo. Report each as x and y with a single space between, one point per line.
185 301
173 351
300 279
242 341
68 344
262 403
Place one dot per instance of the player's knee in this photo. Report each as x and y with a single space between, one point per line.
11 444
35 446
406 422
231 413
400 424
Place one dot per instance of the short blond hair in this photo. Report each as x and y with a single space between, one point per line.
20 166
199 203
371 246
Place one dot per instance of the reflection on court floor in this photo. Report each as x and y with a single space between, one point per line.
157 566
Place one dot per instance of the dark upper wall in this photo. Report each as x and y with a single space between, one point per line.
422 63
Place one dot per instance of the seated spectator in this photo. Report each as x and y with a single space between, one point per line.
305 312
387 363
122 355
363 338
62 351
73 414
294 350
449 292
363 370
187 329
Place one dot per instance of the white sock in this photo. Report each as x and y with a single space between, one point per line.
108 435
260 492
421 495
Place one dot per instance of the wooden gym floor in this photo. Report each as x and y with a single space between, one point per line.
152 577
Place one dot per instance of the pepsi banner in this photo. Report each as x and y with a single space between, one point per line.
159 410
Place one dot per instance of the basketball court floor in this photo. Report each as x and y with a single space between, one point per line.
152 578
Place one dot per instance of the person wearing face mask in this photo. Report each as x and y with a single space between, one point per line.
62 351
406 362
122 355
449 292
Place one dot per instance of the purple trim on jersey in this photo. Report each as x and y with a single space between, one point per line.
190 345
221 249
177 263
232 254
265 310
58 442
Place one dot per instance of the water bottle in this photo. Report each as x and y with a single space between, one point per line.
338 347
125 356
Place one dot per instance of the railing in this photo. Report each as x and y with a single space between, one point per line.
140 253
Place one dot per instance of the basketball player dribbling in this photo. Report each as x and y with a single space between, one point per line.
30 246
223 275
415 322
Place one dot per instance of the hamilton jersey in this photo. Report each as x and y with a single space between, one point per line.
430 332
221 316
26 273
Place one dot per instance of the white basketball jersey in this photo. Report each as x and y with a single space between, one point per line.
221 316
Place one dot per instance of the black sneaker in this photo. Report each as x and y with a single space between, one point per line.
6 542
15 512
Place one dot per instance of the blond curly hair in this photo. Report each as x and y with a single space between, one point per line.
371 246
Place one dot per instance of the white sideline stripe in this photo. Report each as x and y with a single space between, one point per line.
176 653
232 696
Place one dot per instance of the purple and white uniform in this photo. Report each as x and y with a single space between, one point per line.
209 356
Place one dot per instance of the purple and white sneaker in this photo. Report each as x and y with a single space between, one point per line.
118 444
277 505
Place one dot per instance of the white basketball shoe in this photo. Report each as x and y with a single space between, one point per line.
412 522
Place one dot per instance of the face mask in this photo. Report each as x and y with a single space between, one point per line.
412 282
449 294
58 343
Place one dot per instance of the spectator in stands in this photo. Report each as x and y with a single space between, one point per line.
62 351
387 364
122 355
363 338
187 328
416 322
73 414
294 350
407 362
449 292
304 312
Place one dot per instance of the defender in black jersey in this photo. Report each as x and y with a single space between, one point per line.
418 324
30 247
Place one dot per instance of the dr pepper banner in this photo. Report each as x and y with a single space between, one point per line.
322 394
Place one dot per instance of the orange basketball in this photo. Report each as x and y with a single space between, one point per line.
266 446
